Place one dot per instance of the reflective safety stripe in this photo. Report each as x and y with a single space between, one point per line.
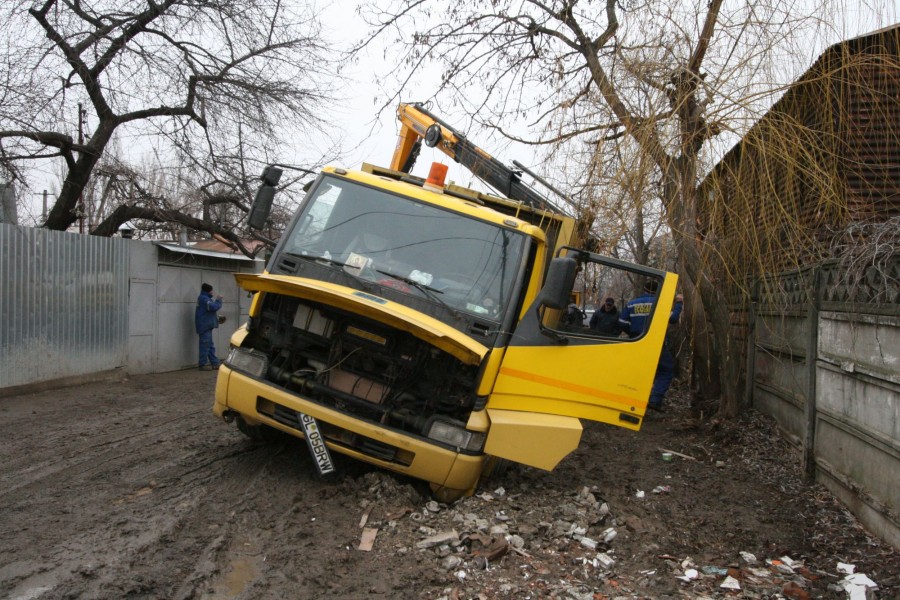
567 385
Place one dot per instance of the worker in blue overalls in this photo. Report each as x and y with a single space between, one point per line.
205 320
634 320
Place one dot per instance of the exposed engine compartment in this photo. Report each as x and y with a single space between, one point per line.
359 366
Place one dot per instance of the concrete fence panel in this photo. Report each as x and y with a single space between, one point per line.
828 370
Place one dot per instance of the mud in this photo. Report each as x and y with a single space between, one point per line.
132 489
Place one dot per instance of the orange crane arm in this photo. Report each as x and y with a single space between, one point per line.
418 124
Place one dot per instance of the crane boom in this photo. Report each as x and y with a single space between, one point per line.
418 124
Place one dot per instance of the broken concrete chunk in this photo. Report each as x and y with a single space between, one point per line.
609 535
605 560
444 537
367 539
588 543
576 532
730 583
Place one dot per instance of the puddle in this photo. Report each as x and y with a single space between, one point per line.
241 570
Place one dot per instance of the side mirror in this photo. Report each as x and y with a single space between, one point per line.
559 283
262 203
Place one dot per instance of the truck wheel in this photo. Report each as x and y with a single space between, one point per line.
257 433
445 494
495 468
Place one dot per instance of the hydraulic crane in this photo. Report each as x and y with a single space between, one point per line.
418 124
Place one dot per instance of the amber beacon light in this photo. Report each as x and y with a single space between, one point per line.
436 177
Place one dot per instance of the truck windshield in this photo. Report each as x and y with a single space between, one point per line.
416 248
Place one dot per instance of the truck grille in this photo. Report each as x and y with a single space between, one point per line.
337 435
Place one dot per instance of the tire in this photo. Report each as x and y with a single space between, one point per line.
445 494
258 433
496 468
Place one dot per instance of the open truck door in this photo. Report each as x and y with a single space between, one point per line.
555 372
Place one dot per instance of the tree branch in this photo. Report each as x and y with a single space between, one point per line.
126 213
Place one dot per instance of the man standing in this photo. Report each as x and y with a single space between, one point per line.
634 320
205 320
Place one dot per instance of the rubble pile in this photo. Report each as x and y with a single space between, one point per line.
684 509
505 544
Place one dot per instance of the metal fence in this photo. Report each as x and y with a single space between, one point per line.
75 306
63 304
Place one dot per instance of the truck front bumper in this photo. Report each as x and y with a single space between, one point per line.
258 402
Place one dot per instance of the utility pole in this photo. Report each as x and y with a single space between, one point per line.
44 196
80 204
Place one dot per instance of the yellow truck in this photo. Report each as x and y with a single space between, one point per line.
416 325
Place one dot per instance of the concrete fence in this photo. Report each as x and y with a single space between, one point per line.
75 307
824 360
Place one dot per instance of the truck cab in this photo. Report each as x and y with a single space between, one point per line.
417 328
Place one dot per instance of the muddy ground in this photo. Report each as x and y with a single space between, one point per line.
132 489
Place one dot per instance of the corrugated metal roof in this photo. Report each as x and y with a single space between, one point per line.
210 253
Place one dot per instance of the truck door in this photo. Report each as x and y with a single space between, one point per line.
556 364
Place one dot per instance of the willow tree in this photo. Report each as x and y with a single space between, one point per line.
669 77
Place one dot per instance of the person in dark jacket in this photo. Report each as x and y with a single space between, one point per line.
205 320
605 319
634 320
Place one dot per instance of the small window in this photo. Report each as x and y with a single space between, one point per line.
608 300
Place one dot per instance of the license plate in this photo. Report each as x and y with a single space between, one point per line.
316 444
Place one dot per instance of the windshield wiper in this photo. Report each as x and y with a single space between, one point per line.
318 258
427 290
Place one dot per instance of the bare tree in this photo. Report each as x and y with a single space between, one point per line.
670 77
219 80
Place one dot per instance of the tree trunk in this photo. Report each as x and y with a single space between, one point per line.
64 210
705 375
679 195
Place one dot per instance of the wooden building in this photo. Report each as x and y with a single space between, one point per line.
825 156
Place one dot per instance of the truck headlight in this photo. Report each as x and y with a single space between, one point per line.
249 361
455 435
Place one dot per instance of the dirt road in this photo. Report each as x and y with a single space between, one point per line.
132 489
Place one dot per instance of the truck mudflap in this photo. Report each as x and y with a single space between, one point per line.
395 315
